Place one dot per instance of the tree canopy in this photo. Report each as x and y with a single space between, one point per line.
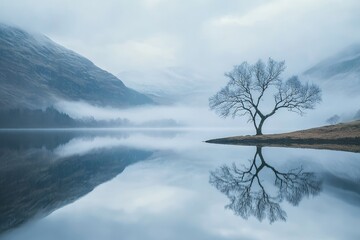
246 88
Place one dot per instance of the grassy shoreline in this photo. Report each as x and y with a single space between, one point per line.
341 137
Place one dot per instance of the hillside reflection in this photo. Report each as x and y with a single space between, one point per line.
259 188
37 175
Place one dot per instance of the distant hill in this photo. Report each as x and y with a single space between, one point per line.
339 78
341 69
52 118
35 72
343 63
170 85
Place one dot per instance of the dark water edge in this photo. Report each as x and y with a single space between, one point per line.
348 144
339 137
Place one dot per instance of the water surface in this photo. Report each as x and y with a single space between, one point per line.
171 185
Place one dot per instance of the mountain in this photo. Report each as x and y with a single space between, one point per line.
35 72
340 71
343 63
339 78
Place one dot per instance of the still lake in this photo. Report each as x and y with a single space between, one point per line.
169 184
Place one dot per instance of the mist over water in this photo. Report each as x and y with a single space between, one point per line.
128 159
182 67
165 192
198 114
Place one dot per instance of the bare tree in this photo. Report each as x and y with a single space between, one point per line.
247 86
250 195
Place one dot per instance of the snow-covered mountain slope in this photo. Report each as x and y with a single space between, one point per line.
340 71
35 72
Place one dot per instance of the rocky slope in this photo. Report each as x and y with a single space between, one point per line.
345 62
340 71
36 72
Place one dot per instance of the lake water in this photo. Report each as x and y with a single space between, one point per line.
169 184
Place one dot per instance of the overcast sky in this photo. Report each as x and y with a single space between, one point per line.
206 36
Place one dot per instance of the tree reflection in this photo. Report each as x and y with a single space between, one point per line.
250 195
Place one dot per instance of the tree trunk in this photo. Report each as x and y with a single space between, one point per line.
258 131
259 128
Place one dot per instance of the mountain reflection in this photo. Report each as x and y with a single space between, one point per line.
36 180
251 194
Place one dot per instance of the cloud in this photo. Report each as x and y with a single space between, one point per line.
300 31
156 51
207 36
259 14
154 3
268 12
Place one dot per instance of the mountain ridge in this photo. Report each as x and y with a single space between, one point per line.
345 62
35 72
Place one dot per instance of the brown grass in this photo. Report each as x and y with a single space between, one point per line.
342 137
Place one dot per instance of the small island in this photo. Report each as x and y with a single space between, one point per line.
341 137
248 93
